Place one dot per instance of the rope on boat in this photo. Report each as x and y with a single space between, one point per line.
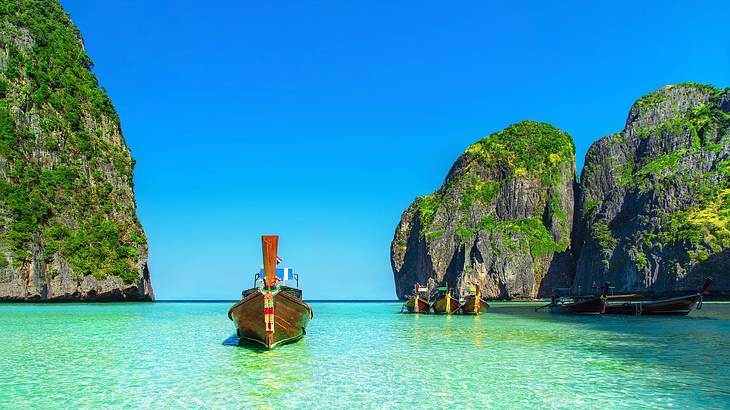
269 311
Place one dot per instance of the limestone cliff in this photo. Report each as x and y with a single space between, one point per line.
654 202
68 223
502 218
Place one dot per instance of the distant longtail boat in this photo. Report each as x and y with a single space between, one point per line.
272 312
445 302
418 303
473 303
577 305
676 306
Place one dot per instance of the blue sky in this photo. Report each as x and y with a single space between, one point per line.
321 121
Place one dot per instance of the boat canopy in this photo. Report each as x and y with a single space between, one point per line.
282 273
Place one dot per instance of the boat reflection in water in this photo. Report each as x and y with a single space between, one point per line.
271 313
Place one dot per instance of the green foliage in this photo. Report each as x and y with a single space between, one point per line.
528 149
724 167
52 79
641 260
97 248
591 206
474 188
539 240
487 223
435 234
604 236
651 100
464 233
662 163
427 205
8 135
701 87
538 236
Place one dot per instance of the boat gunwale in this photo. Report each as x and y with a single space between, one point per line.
658 301
259 293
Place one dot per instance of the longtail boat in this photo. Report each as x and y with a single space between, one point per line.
418 303
445 302
676 306
577 305
271 313
473 303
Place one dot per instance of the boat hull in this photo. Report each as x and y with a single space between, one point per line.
680 306
470 307
439 306
291 316
594 306
417 305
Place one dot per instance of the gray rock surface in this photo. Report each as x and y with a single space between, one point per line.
502 218
654 199
68 224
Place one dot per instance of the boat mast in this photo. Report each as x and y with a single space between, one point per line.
415 301
477 299
269 246
448 300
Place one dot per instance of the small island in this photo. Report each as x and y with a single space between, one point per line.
649 214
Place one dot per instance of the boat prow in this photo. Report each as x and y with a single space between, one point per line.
446 305
271 313
474 304
418 303
291 317
578 305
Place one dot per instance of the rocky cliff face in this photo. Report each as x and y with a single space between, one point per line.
652 210
502 218
654 202
68 223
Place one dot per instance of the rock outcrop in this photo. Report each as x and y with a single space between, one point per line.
654 202
68 223
502 218
652 210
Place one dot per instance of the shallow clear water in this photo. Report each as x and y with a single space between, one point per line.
361 355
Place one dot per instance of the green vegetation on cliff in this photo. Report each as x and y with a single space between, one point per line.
66 184
703 226
666 221
528 149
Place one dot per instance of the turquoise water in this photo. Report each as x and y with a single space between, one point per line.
361 355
